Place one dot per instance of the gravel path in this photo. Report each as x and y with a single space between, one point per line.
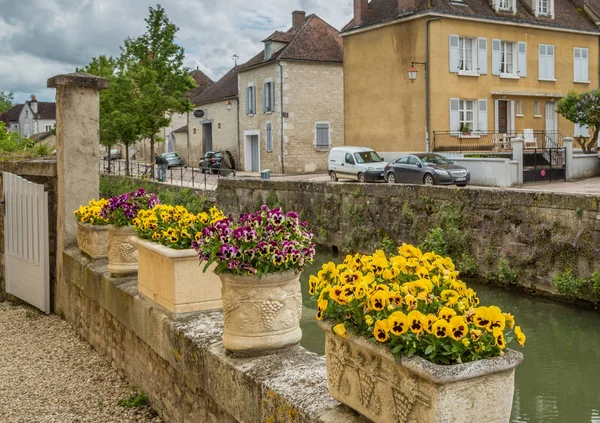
48 374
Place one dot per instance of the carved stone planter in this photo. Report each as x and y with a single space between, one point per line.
174 280
122 251
92 240
261 314
367 378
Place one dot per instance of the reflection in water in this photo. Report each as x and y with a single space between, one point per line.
559 381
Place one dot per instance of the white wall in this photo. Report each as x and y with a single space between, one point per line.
584 166
490 172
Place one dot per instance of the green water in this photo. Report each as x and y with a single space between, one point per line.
559 381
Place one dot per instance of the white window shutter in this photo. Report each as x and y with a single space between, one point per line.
454 53
482 113
522 58
455 116
585 76
550 62
496 56
542 62
576 66
482 56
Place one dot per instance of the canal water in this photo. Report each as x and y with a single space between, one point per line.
559 381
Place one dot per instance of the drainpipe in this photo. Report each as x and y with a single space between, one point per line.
281 103
237 102
427 84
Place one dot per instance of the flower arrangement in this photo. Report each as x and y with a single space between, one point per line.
267 241
414 303
92 213
174 226
121 210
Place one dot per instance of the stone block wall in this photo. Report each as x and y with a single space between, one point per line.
182 365
39 172
536 234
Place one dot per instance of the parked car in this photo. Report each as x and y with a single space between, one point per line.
428 169
212 161
173 159
114 155
360 163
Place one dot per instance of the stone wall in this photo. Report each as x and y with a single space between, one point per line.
39 172
489 232
182 365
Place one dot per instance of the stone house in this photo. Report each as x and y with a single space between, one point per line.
480 67
174 136
213 125
291 99
30 118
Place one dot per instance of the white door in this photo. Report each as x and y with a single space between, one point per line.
551 123
26 251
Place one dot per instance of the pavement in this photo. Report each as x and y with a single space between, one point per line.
584 186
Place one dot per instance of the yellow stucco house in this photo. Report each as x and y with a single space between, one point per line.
477 68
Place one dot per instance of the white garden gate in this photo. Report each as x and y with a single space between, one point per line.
26 244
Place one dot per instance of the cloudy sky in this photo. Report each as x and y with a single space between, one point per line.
43 38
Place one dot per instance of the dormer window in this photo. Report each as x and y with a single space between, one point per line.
543 8
505 5
267 51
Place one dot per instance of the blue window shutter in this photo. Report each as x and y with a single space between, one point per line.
496 56
482 56
272 86
454 53
264 98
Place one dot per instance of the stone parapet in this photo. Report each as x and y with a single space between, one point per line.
182 364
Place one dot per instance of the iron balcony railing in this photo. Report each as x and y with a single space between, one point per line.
484 141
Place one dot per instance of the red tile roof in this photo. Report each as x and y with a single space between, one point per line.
202 83
12 115
315 41
568 13
224 88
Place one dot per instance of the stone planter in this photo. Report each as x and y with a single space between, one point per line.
261 314
367 378
122 251
93 240
174 280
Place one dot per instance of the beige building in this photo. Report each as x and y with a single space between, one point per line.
493 67
291 99
213 125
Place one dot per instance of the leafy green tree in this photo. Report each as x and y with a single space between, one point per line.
155 63
583 109
6 101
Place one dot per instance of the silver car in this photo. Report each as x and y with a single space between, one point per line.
173 159
428 169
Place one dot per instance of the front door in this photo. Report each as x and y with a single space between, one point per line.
551 124
207 128
502 117
254 147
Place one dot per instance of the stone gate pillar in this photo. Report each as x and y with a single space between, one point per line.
568 144
77 151
517 148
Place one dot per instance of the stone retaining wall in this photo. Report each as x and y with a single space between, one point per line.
39 172
536 234
182 365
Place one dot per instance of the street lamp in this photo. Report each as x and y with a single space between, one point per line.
229 105
412 74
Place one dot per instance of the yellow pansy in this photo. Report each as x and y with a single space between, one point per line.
340 330
380 331
521 338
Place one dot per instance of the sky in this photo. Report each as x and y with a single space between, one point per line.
43 38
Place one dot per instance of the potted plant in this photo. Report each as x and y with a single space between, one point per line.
465 129
168 265
120 212
407 340
92 233
259 258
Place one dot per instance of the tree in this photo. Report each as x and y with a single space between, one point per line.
6 101
155 64
583 109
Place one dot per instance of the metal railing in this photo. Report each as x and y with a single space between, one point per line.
483 141
203 178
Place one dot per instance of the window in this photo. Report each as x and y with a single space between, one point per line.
536 109
349 159
268 97
519 107
412 160
267 51
507 59
581 131
546 62
322 132
466 54
505 5
251 100
48 128
466 115
367 157
543 8
269 132
194 131
580 64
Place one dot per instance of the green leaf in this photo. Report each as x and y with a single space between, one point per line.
429 350
411 352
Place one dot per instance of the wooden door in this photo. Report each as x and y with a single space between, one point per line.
502 117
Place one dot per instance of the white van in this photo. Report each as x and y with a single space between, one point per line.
360 163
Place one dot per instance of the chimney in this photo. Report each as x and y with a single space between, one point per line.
34 104
360 11
405 6
298 18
